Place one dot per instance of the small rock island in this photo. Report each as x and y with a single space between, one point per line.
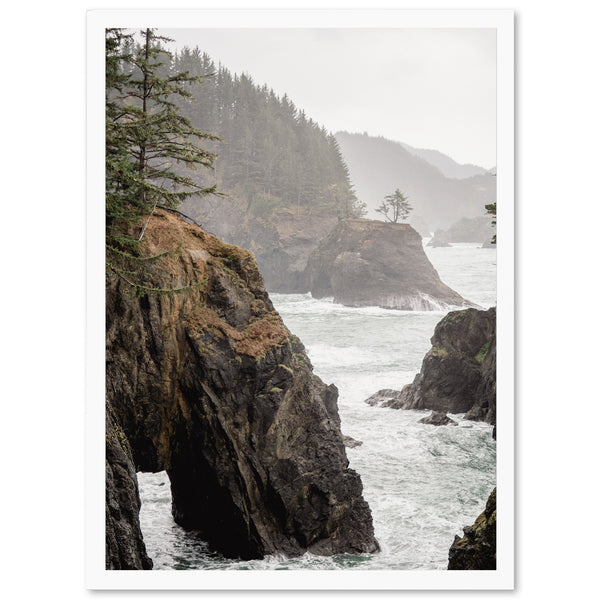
366 262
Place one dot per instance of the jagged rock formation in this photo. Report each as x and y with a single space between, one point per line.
458 374
350 442
208 384
478 229
382 396
438 418
372 263
476 550
125 547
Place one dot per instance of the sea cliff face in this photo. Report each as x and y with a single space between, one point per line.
458 374
280 240
372 263
209 385
125 547
476 550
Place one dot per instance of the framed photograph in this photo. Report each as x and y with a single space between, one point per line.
300 334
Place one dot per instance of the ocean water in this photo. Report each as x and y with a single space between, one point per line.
423 483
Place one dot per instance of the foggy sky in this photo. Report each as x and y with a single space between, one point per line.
430 88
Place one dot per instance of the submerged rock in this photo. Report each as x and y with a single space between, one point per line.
350 442
209 385
476 550
458 374
372 263
438 418
382 397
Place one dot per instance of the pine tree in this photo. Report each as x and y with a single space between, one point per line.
491 210
120 169
154 145
395 207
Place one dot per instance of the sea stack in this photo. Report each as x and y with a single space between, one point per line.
371 263
458 374
208 384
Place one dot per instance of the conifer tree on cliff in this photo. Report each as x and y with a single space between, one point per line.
491 210
146 136
395 207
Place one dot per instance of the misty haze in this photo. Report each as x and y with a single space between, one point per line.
301 299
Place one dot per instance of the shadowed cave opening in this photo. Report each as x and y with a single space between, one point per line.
202 506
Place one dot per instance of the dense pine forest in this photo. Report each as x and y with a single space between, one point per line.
248 165
271 154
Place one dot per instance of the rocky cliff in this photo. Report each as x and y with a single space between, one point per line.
458 374
372 263
280 240
476 550
208 384
125 547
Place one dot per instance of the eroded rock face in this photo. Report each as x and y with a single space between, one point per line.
372 263
125 547
476 550
281 242
458 374
209 384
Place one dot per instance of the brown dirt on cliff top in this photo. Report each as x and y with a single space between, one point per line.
167 231
254 340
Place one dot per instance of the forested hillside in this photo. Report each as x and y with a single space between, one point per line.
272 156
281 181
447 165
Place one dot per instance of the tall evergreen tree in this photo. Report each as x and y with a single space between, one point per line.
491 210
153 137
273 157
120 168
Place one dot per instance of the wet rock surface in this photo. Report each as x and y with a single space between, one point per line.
382 396
476 550
125 547
458 374
209 385
350 442
438 418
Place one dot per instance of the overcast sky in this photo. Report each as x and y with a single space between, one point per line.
430 88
